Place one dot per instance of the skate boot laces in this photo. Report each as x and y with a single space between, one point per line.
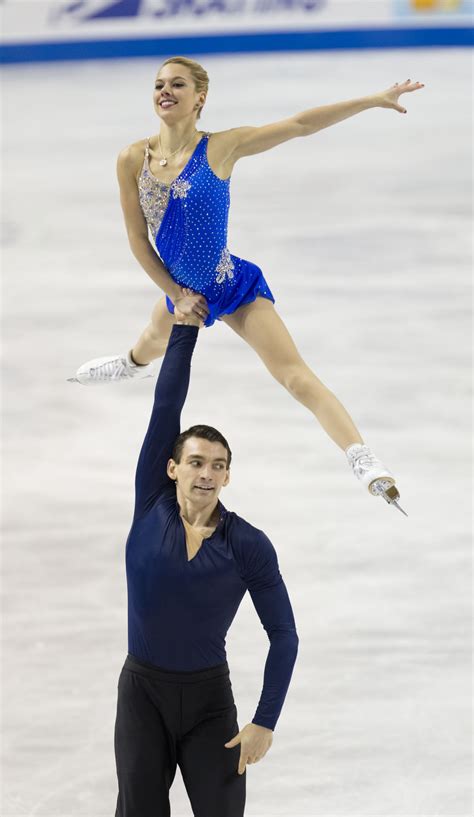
365 461
110 370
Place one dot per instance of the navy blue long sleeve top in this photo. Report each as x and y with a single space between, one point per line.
179 610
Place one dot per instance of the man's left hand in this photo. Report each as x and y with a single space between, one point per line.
255 742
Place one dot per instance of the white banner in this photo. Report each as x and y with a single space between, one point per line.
62 20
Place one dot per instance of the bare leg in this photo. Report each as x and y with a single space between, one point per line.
259 324
153 341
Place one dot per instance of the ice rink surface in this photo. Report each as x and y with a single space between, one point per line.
363 233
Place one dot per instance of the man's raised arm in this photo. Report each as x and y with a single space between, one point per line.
171 389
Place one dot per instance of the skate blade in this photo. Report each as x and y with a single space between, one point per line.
394 502
388 491
391 496
75 380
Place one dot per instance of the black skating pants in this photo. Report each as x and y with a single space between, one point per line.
166 718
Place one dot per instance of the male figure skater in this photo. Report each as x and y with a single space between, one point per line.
189 563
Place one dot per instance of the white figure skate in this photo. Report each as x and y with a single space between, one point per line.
373 474
103 370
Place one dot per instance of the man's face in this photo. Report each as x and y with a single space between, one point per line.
201 472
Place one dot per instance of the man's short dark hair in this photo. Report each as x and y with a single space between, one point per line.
204 433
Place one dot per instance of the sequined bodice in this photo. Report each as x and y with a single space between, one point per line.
154 195
188 221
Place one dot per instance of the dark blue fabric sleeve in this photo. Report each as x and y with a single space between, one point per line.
271 601
171 389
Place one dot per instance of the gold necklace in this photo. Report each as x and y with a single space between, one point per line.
164 161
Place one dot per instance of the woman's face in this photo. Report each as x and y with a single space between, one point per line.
174 94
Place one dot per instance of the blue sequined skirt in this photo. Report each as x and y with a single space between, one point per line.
246 285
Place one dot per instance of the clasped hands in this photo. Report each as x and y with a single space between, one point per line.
255 742
191 307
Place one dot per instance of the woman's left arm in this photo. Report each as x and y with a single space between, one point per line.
247 141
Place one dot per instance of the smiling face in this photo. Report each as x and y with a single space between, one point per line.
174 94
201 472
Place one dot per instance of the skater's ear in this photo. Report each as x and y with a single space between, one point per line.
227 478
171 469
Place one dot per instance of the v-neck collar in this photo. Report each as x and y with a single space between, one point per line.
222 515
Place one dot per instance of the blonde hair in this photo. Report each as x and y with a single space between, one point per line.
198 73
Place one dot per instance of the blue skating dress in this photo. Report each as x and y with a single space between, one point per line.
188 221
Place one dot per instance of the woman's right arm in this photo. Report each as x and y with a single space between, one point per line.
137 229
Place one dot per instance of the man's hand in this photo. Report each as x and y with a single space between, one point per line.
255 742
389 98
187 320
192 303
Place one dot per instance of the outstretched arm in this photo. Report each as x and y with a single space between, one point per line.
171 389
247 141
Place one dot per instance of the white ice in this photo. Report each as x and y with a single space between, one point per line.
363 232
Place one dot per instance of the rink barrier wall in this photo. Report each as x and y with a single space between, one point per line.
370 38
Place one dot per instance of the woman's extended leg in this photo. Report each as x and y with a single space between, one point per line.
154 339
260 325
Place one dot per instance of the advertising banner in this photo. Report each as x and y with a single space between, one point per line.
258 24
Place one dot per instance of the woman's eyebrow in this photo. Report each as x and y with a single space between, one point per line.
178 77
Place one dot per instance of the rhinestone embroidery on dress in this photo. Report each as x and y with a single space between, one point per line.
224 267
180 188
154 197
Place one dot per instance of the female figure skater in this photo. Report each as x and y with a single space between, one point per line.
176 185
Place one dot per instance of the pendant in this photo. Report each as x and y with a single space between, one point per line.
163 162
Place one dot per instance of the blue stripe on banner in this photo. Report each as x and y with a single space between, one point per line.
242 42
